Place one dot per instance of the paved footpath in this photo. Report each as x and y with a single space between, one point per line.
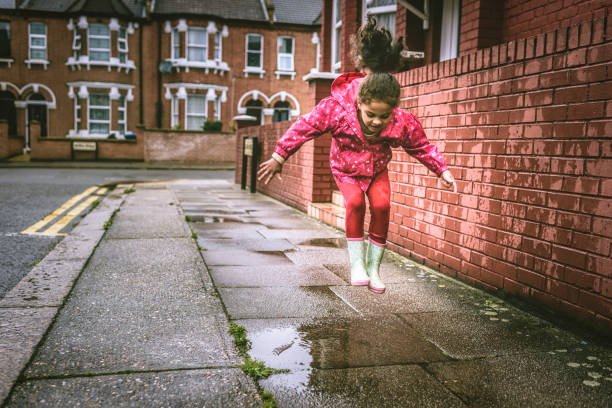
137 314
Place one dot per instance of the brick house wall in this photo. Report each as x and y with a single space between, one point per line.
525 127
150 109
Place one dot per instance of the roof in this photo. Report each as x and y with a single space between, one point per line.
7 4
303 12
115 7
251 10
297 11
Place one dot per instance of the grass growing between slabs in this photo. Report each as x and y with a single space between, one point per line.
256 369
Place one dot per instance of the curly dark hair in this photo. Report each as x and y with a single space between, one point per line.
375 49
379 86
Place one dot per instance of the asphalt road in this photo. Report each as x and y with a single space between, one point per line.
27 195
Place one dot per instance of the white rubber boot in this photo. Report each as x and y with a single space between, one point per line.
359 276
373 259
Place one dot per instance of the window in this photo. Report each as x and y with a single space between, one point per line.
281 111
76 44
176 44
197 42
336 35
122 45
99 114
217 55
38 41
5 39
99 42
285 53
174 107
122 115
77 113
254 108
196 112
384 11
218 107
254 51
449 36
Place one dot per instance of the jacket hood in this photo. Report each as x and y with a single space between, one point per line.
344 89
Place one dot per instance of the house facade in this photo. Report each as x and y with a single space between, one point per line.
516 94
104 71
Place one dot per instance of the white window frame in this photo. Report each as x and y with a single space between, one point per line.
336 36
76 44
122 45
91 36
174 111
449 36
32 36
122 108
217 107
175 44
91 107
292 55
247 51
204 115
218 46
77 113
376 11
200 46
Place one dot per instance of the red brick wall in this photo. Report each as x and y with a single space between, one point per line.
187 146
306 177
525 127
525 18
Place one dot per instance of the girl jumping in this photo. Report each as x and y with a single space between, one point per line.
364 120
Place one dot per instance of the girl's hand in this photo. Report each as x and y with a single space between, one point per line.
268 169
448 181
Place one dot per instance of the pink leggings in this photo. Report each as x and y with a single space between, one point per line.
379 197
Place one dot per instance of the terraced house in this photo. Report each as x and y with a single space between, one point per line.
95 78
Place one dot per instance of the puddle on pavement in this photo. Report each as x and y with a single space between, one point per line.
218 219
325 242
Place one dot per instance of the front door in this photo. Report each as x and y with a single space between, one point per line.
37 112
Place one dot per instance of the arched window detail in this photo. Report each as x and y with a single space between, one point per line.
281 111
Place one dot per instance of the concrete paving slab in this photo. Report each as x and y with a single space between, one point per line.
258 245
278 302
297 236
282 222
529 380
139 305
273 275
20 331
47 284
243 257
298 344
474 334
400 298
388 273
193 388
318 256
155 223
381 387
76 246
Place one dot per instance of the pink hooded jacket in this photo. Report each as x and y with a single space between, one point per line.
354 159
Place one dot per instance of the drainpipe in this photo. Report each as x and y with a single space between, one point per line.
140 80
158 104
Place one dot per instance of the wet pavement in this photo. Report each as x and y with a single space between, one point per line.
146 322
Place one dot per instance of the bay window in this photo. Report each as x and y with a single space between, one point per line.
122 45
99 42
197 44
196 111
99 114
336 35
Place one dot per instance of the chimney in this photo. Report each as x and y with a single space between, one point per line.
270 10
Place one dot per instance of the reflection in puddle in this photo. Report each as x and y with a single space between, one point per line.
325 242
284 348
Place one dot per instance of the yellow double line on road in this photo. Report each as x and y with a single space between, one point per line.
55 229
